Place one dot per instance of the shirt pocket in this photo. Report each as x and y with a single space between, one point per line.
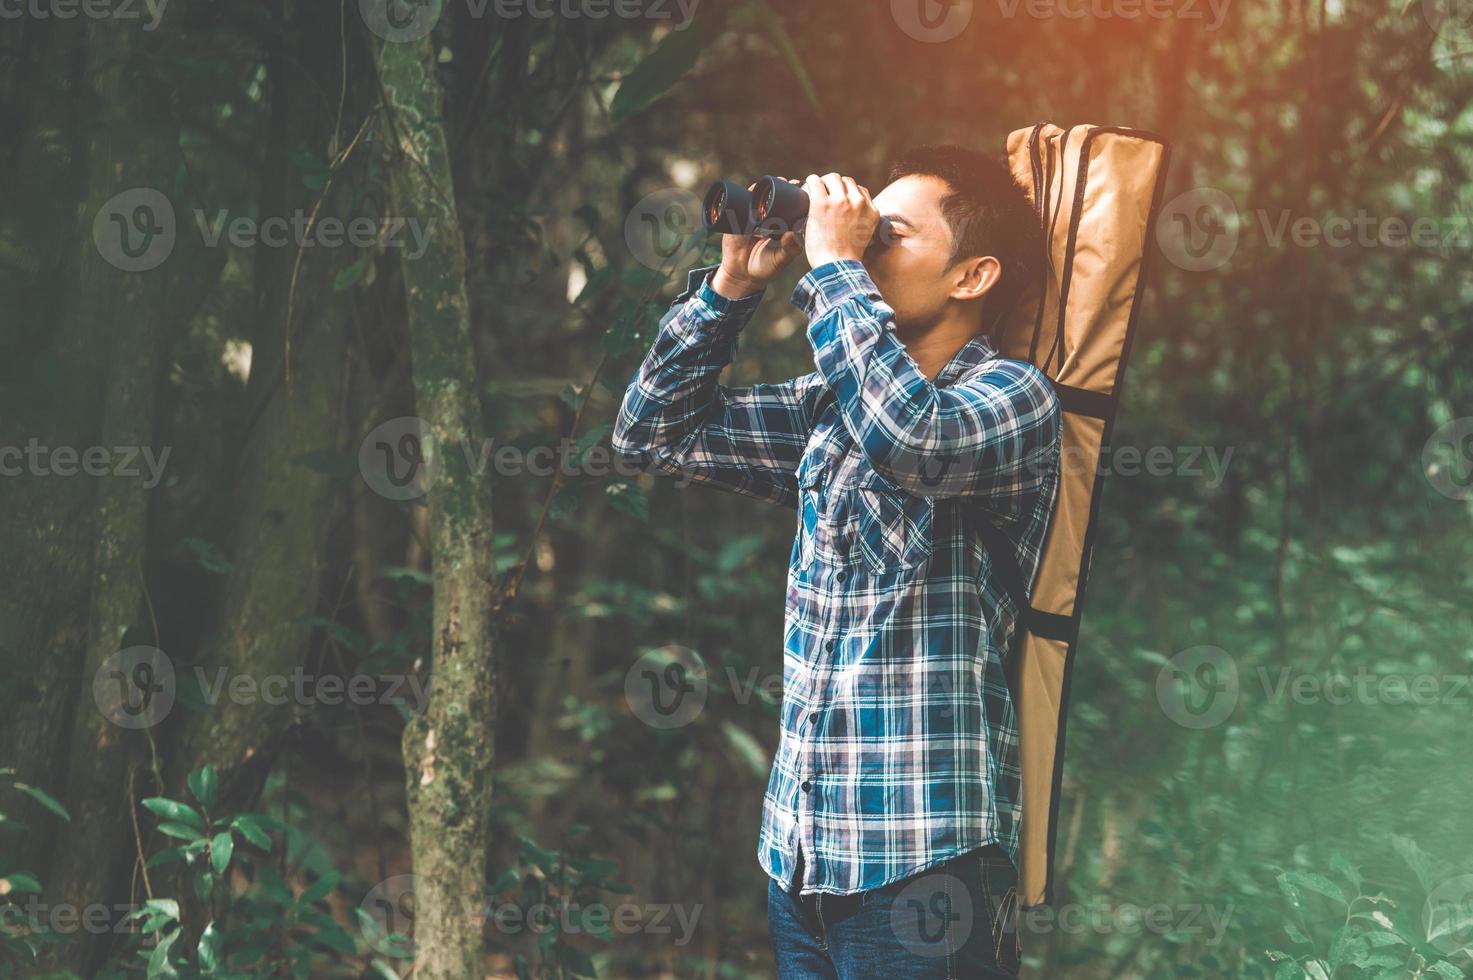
810 496
893 528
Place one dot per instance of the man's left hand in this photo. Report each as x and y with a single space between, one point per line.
841 219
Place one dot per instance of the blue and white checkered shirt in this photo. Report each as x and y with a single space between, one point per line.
899 743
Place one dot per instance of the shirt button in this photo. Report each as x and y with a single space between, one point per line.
807 786
841 576
829 645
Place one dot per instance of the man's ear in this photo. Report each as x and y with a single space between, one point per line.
974 278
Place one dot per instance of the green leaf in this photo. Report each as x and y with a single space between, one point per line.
596 285
594 871
1415 857
1289 970
20 882
329 934
203 783
166 907
181 830
385 970
630 498
158 963
565 504
209 947
220 850
675 55
45 799
319 889
1316 883
633 320
174 810
1341 864
350 275
747 749
505 881
165 856
208 556
533 854
592 438
250 828
777 32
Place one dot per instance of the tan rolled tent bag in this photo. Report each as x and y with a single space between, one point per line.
1098 192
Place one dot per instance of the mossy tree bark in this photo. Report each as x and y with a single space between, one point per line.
299 368
448 748
116 333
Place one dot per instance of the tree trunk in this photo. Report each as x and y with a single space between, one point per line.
295 397
113 336
448 748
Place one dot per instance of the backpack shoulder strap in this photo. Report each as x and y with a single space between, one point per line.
1005 566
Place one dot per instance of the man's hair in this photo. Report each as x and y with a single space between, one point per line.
989 214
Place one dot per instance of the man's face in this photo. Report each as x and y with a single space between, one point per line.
915 273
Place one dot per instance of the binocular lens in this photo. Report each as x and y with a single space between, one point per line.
728 208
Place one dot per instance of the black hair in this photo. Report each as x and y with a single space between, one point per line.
989 214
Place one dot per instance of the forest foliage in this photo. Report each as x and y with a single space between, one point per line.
326 608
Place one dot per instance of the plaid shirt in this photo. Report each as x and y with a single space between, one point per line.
899 744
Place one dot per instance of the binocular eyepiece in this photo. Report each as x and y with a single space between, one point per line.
770 209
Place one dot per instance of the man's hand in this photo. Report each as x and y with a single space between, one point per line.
841 219
749 263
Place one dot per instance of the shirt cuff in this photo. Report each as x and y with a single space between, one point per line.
831 285
698 284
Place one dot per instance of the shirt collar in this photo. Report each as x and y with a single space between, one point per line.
973 352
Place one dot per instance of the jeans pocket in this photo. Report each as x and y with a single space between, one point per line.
1000 905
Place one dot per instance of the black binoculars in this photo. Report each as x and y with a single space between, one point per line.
770 209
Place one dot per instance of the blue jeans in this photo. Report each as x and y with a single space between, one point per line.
956 921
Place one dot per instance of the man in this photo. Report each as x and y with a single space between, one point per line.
890 824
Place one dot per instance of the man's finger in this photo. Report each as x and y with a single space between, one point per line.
835 185
851 189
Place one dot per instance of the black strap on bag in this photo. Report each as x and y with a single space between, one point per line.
1049 626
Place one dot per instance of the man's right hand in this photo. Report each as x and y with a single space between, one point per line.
750 263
